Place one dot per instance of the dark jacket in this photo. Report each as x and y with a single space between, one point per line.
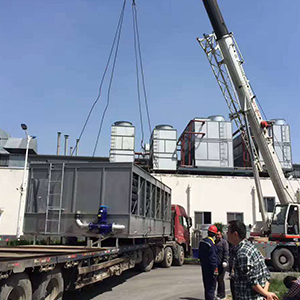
223 250
208 254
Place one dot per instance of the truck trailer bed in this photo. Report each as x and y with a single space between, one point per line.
17 259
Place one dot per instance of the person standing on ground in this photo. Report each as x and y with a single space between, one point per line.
222 247
209 262
250 274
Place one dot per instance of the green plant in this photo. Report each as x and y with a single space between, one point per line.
220 226
277 286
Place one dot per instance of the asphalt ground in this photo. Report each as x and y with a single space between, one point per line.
176 283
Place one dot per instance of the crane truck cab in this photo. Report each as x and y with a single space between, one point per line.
285 223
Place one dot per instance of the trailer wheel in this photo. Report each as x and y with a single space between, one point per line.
50 286
168 258
283 259
180 260
148 260
16 287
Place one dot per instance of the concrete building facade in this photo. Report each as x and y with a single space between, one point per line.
212 198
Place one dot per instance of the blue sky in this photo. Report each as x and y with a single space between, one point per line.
53 54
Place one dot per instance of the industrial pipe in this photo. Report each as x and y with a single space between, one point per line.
58 143
117 227
66 144
79 222
76 147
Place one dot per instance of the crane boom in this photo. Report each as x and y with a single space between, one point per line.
246 97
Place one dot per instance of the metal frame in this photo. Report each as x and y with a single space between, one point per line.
215 58
187 135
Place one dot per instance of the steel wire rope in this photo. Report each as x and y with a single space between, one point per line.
141 62
102 80
265 116
119 30
103 77
137 75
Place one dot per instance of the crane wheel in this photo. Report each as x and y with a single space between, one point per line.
283 259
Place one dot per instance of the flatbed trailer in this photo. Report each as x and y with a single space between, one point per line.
45 272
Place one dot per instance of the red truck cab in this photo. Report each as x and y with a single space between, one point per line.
181 226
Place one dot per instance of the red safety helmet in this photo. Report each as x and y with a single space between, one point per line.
213 229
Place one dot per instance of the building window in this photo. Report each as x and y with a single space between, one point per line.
269 204
202 218
235 216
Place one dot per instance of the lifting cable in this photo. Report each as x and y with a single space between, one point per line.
139 69
139 65
116 39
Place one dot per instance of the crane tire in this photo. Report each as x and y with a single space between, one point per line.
17 286
283 259
50 285
168 258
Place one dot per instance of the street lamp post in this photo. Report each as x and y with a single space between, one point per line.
24 185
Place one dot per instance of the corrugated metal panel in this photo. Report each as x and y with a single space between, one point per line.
280 134
212 147
134 199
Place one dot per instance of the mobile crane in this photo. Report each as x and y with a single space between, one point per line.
227 64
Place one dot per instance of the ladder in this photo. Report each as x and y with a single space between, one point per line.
223 145
54 198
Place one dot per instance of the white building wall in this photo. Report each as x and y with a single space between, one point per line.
10 183
219 195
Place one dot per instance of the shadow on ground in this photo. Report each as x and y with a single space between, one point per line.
94 290
190 298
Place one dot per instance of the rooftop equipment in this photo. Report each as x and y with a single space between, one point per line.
279 132
66 199
163 149
122 142
207 142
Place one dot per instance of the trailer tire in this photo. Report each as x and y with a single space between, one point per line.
283 259
147 261
50 284
180 260
168 258
17 286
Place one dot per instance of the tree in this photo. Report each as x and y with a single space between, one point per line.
220 226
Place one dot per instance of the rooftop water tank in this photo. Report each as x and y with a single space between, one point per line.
123 123
163 126
207 142
279 121
4 135
217 118
122 142
163 149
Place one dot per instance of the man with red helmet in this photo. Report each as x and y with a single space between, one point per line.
209 262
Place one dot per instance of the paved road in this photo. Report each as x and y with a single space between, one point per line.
176 283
